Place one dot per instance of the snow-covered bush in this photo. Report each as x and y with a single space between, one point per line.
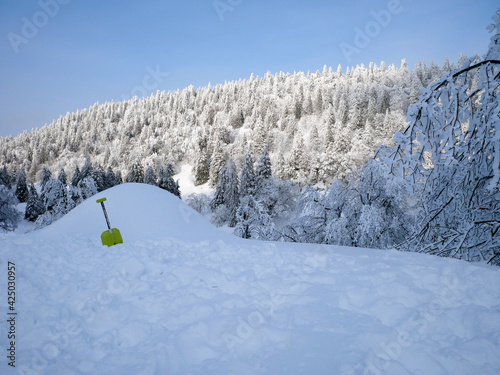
200 202
253 220
371 210
309 219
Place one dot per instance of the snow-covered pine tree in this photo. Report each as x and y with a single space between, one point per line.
298 163
77 176
86 169
87 187
247 178
218 199
98 175
9 216
169 170
166 181
21 187
136 173
46 176
232 196
34 207
150 176
75 196
201 170
217 162
226 195
62 176
5 177
118 178
109 179
56 202
263 170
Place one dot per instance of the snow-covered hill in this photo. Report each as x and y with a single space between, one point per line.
182 297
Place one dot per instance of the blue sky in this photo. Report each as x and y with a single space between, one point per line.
57 56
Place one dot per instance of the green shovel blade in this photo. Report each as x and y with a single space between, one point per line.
111 237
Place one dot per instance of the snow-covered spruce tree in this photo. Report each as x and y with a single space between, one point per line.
5 179
56 202
118 178
77 177
9 216
86 169
226 199
263 170
21 187
218 198
98 175
217 162
150 176
62 176
46 176
34 207
87 187
247 178
166 181
450 156
75 195
201 170
298 163
136 174
109 179
232 197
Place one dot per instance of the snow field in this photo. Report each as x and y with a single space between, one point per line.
181 297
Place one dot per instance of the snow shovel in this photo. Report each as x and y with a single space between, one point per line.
111 236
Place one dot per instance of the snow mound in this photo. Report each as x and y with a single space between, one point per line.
139 211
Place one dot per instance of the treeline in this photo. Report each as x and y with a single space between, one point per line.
317 127
60 195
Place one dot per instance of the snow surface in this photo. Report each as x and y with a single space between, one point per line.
182 297
186 183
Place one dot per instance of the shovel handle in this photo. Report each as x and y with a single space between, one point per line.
101 201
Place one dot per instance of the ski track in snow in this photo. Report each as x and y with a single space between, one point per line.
230 306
